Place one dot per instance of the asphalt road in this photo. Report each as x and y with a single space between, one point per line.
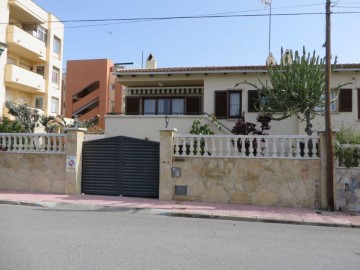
38 238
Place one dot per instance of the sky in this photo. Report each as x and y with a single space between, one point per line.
222 41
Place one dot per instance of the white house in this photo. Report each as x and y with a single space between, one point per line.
188 93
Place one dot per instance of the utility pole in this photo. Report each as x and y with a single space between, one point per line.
328 128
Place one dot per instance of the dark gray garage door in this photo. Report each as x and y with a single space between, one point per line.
121 166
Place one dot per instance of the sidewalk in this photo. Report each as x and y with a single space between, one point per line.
184 209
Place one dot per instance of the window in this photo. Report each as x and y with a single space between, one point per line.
39 103
112 87
56 75
343 103
162 106
40 70
54 105
41 33
345 100
227 104
57 45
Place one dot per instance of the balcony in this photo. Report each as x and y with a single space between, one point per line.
24 80
27 11
24 44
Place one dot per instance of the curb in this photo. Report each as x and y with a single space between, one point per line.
171 213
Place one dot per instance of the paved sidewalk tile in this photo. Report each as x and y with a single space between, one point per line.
190 209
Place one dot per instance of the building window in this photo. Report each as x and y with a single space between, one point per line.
9 96
54 105
162 106
57 45
39 103
56 75
40 70
41 33
112 87
343 102
227 104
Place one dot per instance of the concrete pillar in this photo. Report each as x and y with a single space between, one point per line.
166 185
74 141
323 168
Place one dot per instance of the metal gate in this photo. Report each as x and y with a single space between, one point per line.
121 166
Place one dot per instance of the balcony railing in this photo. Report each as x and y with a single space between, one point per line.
44 143
249 146
24 79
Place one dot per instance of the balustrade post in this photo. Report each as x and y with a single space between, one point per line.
74 142
166 183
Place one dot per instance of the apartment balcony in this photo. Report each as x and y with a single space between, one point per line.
27 11
25 44
24 80
83 102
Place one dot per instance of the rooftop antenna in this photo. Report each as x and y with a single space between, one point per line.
268 3
270 61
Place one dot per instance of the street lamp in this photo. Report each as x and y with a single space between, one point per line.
3 46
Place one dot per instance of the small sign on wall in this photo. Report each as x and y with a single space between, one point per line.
70 163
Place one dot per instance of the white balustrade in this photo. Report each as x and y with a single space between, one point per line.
48 143
247 146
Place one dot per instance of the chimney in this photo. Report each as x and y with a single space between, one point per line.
151 62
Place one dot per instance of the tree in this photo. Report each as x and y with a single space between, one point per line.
27 117
297 87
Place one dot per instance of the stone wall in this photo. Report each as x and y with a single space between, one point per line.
347 189
270 182
33 172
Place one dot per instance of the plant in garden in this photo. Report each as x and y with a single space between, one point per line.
247 128
27 117
347 147
296 88
8 126
198 129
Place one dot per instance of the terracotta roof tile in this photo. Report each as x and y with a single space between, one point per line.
215 68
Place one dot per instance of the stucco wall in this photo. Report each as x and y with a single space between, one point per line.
33 172
347 189
271 182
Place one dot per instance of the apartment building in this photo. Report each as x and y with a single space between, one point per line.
91 89
30 66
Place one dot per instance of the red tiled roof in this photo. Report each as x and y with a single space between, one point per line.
215 69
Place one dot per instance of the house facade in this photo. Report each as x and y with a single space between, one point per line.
91 89
186 94
30 66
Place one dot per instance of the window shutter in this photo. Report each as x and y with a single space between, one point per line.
253 99
193 106
132 106
345 100
221 104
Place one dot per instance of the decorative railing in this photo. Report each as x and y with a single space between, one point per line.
33 143
248 146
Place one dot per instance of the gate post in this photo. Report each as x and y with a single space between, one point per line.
166 186
74 143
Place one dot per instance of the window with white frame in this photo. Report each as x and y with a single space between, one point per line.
56 75
57 45
54 105
41 33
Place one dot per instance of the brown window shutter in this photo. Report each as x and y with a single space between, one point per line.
132 106
193 106
221 104
253 99
345 100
